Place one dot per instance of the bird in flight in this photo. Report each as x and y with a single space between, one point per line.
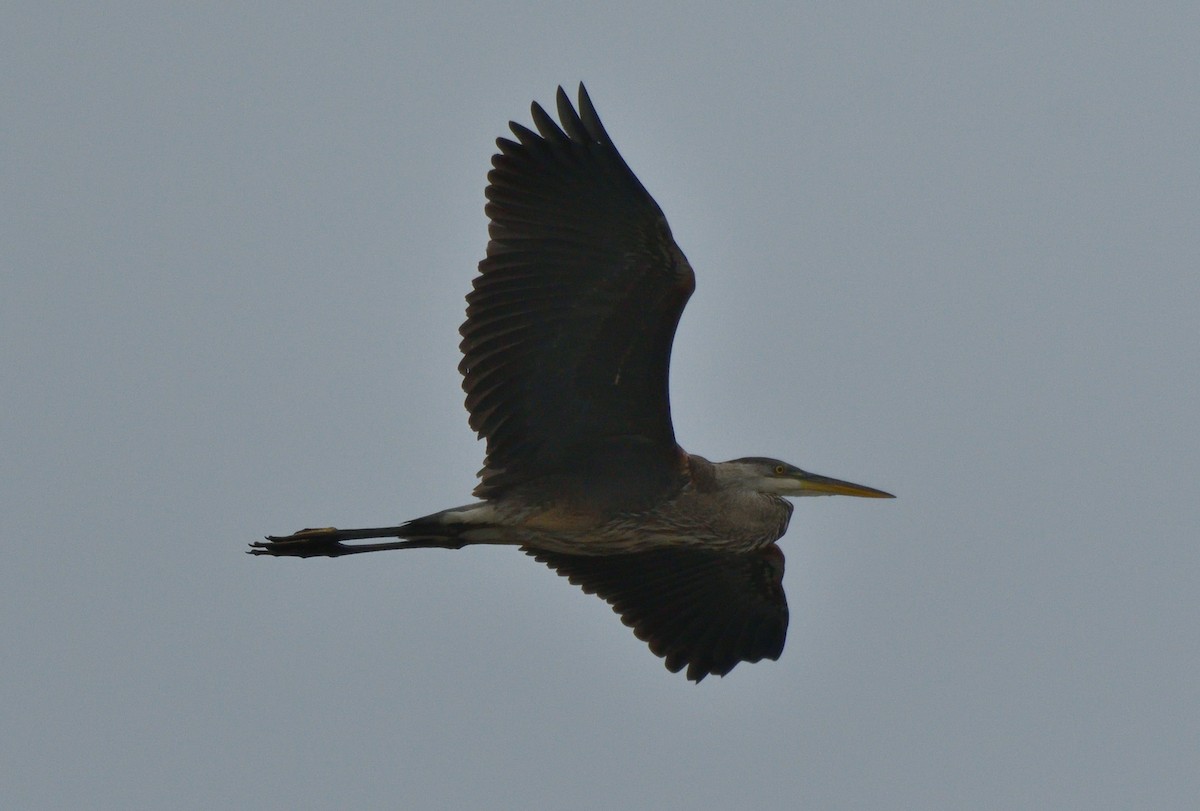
566 350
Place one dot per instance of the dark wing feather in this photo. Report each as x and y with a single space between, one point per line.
697 608
567 341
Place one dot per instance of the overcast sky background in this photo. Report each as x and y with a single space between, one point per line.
949 251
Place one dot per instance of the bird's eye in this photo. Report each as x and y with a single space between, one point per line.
780 470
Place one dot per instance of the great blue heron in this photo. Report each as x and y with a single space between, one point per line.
566 350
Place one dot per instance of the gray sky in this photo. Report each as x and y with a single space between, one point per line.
949 251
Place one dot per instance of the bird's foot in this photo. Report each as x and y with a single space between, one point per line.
307 543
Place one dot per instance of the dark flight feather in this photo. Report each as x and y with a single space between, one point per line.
697 608
567 342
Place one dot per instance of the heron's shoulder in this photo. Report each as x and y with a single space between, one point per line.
701 473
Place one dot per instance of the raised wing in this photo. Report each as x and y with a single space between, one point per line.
696 608
567 342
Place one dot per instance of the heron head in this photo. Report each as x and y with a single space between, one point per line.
782 479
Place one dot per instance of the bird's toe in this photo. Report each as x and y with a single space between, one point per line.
307 543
